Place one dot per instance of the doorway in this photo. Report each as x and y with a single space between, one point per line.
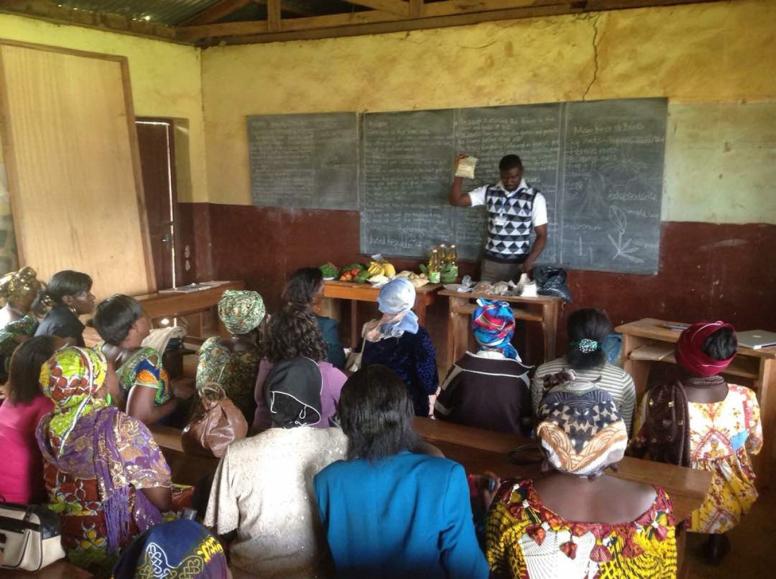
156 143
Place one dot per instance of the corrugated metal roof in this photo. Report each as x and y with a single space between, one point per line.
170 12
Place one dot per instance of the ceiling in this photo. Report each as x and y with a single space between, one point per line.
210 22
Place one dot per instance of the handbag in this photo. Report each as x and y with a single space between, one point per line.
30 537
215 425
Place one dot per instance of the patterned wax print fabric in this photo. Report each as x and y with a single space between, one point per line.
144 368
18 284
723 436
75 485
493 324
581 430
241 311
13 334
234 371
526 539
176 550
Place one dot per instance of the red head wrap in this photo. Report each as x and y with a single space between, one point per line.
689 349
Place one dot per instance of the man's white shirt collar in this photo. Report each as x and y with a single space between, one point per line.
523 185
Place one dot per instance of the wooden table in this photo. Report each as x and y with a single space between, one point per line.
544 310
649 340
481 450
364 292
168 304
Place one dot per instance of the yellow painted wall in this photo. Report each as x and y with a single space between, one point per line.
166 79
697 56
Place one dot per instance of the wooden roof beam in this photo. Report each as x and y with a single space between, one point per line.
215 12
396 7
433 15
52 12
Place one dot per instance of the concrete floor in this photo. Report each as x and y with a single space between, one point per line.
753 546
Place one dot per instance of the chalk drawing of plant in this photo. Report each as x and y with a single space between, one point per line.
624 249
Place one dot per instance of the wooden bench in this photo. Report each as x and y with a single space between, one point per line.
478 451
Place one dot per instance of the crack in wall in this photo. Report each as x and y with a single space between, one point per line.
594 18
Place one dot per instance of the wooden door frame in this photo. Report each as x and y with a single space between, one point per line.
10 158
177 264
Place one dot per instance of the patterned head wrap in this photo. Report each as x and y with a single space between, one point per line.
293 393
71 378
241 311
17 284
582 432
179 548
689 349
397 297
494 325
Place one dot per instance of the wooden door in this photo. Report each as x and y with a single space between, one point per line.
69 143
157 160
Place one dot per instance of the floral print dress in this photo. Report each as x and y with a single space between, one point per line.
144 368
723 435
234 371
526 539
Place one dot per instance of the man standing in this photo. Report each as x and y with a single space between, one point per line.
514 210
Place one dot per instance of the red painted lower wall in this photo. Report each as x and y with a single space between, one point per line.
706 270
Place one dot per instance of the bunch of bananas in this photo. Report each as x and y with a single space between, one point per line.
382 268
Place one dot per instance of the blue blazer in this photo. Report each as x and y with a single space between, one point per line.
408 515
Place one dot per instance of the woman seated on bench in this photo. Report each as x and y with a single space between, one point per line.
21 478
388 511
293 333
144 385
587 330
233 362
707 424
489 389
262 488
579 522
104 474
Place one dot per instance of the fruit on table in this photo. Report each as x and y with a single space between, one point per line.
381 268
350 272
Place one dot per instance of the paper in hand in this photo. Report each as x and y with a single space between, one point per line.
466 167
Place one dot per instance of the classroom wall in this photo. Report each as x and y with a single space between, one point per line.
715 62
166 81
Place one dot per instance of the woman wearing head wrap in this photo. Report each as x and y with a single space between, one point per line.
179 548
578 522
397 341
722 429
587 329
18 290
262 486
18 319
233 362
489 389
104 474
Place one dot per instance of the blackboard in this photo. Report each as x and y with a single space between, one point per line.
599 165
306 161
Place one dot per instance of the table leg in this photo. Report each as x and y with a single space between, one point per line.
420 310
550 317
355 332
457 333
767 390
638 369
